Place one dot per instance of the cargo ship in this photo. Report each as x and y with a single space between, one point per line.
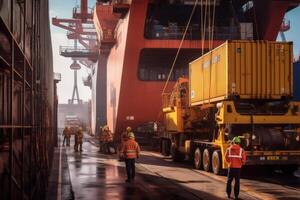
139 40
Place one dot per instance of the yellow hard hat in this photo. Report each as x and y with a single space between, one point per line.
130 135
128 129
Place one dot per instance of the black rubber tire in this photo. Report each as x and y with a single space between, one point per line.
167 147
216 162
288 169
206 160
163 148
176 155
197 159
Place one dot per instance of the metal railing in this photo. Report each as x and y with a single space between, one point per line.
193 32
71 49
122 1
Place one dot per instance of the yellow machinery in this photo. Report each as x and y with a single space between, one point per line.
241 88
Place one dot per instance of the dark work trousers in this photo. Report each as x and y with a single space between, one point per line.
65 140
233 173
130 168
110 145
80 146
68 141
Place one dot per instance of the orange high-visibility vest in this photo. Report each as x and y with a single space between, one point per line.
79 137
235 156
131 149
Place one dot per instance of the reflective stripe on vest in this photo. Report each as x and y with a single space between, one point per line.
131 153
235 156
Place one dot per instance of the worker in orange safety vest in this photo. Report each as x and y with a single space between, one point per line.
123 140
67 135
79 140
131 151
235 157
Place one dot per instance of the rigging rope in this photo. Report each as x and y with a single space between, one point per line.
213 26
179 48
210 44
203 22
255 21
204 27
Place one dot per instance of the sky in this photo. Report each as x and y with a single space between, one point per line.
63 9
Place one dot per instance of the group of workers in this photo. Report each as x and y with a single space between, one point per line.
129 150
106 140
78 138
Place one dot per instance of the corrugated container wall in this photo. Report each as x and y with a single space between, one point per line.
248 69
27 114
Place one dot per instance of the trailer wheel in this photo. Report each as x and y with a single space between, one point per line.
168 147
206 160
162 147
288 169
197 159
165 147
217 162
176 155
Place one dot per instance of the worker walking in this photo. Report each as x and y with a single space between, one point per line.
66 132
123 140
235 157
75 140
79 139
131 151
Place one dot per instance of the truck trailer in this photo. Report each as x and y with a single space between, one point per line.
241 88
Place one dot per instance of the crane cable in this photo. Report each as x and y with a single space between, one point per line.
203 27
255 20
179 48
210 43
213 26
210 34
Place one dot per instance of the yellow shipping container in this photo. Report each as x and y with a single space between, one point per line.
249 69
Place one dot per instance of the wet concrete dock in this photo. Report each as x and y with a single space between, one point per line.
98 176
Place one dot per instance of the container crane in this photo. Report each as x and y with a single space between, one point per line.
80 29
